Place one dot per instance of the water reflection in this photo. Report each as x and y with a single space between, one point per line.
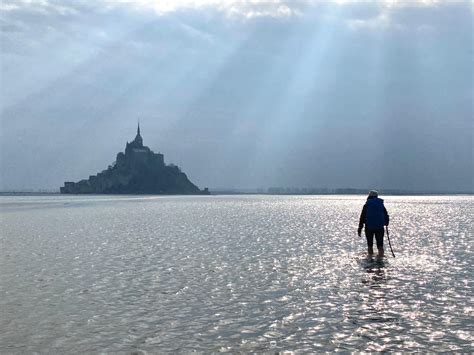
374 319
240 274
377 277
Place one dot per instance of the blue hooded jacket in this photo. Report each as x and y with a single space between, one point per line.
374 215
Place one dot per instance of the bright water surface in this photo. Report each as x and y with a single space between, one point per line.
239 273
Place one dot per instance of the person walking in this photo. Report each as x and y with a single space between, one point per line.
374 216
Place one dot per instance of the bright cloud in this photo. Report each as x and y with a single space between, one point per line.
253 8
384 18
231 8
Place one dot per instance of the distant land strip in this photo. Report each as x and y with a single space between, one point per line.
275 191
329 191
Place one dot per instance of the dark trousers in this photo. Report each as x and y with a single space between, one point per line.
378 233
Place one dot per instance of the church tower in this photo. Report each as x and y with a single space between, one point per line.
138 138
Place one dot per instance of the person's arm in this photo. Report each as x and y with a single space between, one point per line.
362 219
387 217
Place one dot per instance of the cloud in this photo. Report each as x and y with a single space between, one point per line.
40 6
231 8
381 21
409 15
356 15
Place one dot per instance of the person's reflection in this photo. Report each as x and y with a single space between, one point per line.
375 301
375 269
376 277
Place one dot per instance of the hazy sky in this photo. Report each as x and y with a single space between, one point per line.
240 93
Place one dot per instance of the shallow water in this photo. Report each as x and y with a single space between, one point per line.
238 273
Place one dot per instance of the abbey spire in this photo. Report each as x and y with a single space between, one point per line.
138 139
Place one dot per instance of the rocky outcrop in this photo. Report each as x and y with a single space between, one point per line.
137 171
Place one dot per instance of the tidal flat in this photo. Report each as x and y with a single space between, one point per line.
232 273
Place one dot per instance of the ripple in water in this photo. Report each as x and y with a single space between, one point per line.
253 273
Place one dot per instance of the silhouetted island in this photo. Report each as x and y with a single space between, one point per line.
137 171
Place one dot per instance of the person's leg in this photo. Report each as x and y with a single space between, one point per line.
379 233
369 234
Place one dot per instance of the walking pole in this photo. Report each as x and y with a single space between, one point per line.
390 244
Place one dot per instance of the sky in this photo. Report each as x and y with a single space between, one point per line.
240 93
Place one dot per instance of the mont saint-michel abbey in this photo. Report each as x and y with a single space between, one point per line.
137 171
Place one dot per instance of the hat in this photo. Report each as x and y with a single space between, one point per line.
373 193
